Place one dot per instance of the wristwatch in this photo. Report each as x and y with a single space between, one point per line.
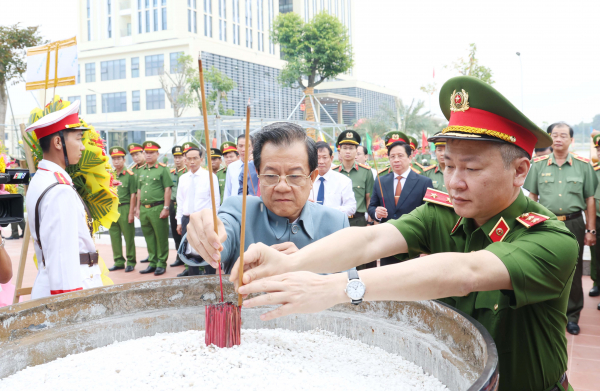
165 207
355 288
590 231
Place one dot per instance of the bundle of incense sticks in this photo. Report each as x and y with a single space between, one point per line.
224 320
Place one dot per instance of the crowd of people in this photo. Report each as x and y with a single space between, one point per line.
487 226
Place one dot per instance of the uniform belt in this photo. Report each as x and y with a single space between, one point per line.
351 216
570 216
563 381
152 205
124 203
88 259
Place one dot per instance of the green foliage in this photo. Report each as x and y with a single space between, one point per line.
471 67
429 89
13 40
315 51
221 85
410 119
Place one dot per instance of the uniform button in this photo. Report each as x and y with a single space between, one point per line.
559 181
496 307
145 191
560 208
294 229
560 168
560 195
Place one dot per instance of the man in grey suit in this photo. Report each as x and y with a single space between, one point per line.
282 217
403 190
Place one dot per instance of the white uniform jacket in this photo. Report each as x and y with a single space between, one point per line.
63 232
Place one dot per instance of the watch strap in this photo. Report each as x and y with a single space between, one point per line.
352 275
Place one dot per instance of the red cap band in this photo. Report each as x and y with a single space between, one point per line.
229 149
55 127
486 123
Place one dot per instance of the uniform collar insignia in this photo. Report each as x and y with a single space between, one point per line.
498 233
456 225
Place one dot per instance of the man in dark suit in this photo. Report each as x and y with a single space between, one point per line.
403 189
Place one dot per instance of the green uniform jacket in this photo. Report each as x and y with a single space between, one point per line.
437 177
136 171
362 184
563 190
597 194
527 323
127 187
175 175
418 168
221 175
153 180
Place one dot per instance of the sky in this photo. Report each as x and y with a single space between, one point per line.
398 44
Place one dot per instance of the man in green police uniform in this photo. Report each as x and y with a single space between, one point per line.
176 172
391 137
416 157
137 154
497 255
230 154
216 158
126 191
565 184
436 171
154 198
595 291
361 175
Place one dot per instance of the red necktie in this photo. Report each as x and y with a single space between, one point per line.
398 190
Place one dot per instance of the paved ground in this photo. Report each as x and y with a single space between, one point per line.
584 349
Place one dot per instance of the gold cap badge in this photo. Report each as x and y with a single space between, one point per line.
395 137
459 101
349 135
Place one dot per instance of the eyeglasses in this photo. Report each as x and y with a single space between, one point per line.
293 180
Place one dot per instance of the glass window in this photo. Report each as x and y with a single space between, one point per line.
286 6
135 100
112 70
208 18
249 23
155 19
271 16
164 18
260 26
90 104
155 99
78 74
236 21
147 21
175 68
155 65
74 98
108 12
135 67
114 102
90 72
89 21
222 20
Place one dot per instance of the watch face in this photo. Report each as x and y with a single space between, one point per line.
355 289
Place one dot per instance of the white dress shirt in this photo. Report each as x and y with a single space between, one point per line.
338 192
64 234
191 199
403 177
232 179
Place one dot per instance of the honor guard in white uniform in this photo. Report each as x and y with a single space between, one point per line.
61 227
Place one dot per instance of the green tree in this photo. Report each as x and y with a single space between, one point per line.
314 51
221 85
471 67
175 83
13 39
410 119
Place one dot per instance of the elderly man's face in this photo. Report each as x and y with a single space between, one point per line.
478 183
282 199
399 160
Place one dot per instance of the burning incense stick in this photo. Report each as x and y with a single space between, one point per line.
223 320
244 195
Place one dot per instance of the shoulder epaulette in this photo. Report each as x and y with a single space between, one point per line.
415 170
364 166
429 168
162 164
172 171
437 197
540 158
596 168
420 165
222 169
383 169
61 179
130 172
585 160
335 167
529 219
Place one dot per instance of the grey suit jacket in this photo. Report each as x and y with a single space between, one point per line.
262 225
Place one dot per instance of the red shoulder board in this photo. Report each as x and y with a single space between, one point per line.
415 170
61 179
172 171
585 160
383 170
422 167
595 164
498 233
429 168
364 166
530 219
540 158
437 197
130 172
597 168
162 164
